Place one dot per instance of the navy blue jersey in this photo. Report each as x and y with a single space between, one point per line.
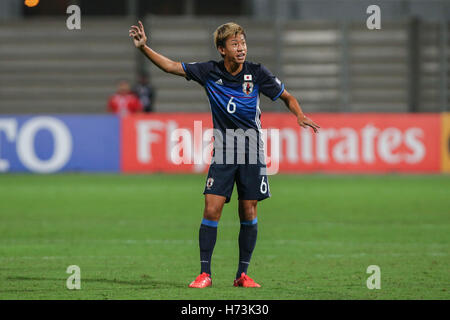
234 100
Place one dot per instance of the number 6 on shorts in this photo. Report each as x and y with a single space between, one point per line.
263 186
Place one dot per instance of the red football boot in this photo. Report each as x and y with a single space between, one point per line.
202 281
246 282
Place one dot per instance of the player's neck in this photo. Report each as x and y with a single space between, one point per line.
232 67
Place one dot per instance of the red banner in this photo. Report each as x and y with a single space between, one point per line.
345 143
147 144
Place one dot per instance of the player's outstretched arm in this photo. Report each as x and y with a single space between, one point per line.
162 62
294 107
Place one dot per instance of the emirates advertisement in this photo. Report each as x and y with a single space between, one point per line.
363 143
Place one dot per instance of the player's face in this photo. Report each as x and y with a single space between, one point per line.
235 49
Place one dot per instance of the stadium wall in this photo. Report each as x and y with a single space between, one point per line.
445 142
181 143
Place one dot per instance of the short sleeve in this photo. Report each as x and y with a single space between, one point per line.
197 71
269 85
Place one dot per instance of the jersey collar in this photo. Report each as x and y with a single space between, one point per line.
237 76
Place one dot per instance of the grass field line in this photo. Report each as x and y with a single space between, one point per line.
222 241
66 257
319 256
388 254
227 242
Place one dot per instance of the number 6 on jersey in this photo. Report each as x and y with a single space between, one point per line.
231 106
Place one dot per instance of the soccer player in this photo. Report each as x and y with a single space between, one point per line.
232 86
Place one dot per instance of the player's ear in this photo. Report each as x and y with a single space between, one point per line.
221 50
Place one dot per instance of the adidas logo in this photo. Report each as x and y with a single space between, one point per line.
219 82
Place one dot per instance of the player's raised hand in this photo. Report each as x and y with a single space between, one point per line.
305 122
138 35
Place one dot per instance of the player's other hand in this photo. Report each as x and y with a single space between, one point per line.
306 122
138 35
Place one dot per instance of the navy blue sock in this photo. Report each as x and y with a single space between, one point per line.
247 242
207 240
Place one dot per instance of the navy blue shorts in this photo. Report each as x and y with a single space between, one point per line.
251 181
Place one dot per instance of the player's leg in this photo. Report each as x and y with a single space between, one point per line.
247 234
252 187
208 229
207 236
218 189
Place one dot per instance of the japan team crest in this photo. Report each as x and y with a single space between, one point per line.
209 183
247 87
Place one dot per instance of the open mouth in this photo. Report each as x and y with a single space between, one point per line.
241 56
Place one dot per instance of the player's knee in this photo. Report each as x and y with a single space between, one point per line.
247 210
247 215
212 212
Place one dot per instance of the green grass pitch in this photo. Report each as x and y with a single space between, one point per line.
135 237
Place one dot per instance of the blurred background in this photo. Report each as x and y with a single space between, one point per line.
389 86
321 49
